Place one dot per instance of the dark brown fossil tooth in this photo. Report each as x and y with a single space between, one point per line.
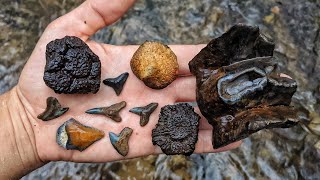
117 83
120 142
110 111
144 112
72 135
53 110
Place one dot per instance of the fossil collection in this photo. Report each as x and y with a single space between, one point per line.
239 91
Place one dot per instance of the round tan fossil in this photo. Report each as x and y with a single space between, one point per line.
155 64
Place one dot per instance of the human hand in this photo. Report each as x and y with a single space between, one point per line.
32 92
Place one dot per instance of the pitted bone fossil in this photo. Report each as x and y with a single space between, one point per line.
177 129
71 67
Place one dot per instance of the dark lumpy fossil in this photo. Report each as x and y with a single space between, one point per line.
71 67
177 129
239 89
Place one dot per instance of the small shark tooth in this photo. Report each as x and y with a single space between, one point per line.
110 111
117 83
53 110
144 112
72 135
120 142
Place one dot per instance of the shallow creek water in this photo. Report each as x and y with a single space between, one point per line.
271 154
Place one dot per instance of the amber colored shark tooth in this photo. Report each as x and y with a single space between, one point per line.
110 111
53 110
120 142
144 112
117 83
72 135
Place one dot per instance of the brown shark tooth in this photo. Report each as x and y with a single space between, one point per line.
72 135
144 112
120 142
117 83
110 111
53 110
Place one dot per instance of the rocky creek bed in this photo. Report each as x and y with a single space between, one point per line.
271 154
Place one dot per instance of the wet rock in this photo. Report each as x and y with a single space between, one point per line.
71 67
72 135
53 110
177 129
155 64
144 112
117 83
238 88
110 111
120 142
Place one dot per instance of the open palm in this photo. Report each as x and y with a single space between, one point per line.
83 22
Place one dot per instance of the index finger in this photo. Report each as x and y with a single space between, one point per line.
88 18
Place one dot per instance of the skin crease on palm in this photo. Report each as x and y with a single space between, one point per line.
82 22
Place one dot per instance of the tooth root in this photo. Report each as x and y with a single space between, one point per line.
111 112
53 110
252 120
120 142
72 135
144 112
117 83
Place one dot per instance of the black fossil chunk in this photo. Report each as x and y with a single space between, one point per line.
53 110
117 83
144 112
177 129
71 67
111 112
239 89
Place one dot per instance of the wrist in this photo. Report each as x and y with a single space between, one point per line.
18 153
